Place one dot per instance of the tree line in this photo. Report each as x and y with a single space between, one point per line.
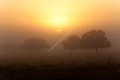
93 39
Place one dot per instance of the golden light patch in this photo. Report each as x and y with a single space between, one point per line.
58 21
58 30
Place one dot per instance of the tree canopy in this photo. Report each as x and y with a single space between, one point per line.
34 44
95 39
72 43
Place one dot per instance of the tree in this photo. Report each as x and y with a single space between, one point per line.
34 44
72 43
95 39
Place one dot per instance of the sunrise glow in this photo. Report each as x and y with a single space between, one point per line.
54 14
57 16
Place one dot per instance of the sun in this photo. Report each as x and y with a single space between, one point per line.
57 17
58 21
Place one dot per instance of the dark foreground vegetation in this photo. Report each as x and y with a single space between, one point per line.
45 72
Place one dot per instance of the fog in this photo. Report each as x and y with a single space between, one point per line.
16 25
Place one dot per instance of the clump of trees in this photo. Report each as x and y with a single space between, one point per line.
94 39
34 44
72 43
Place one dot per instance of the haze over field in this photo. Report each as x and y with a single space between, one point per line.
52 19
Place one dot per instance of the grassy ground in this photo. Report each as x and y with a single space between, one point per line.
46 72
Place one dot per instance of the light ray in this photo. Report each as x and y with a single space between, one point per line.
61 40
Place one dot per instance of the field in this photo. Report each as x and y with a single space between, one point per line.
45 72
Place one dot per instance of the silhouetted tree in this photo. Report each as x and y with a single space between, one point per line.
72 43
95 39
34 44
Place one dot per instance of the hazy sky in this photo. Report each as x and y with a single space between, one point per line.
24 18
52 19
58 12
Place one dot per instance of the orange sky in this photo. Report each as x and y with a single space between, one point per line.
28 18
36 17
58 12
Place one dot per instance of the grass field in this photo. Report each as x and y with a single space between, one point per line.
47 71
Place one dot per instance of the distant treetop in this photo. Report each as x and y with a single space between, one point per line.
34 44
95 39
